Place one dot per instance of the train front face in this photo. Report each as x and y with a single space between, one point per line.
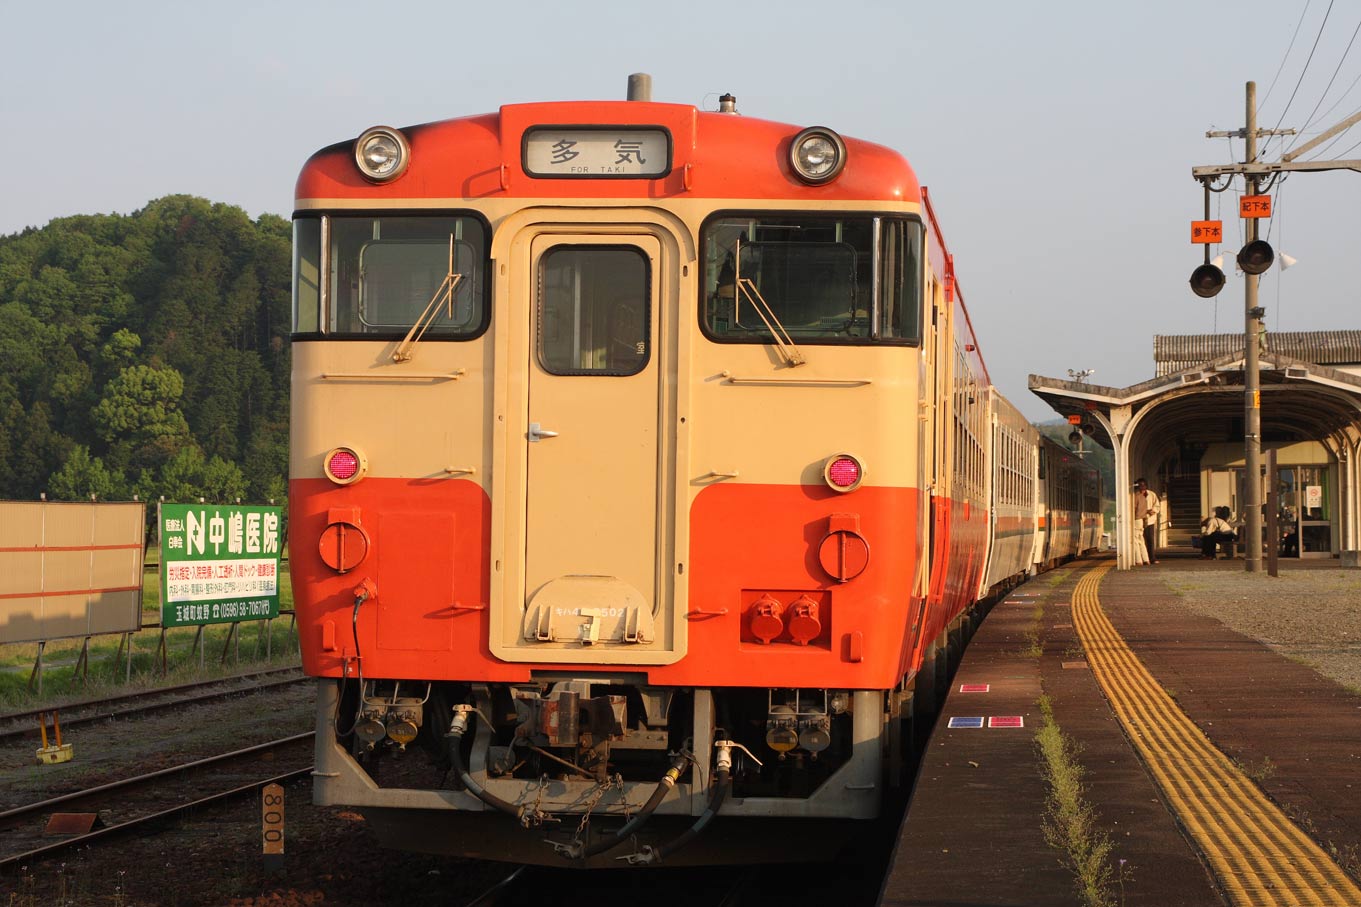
606 453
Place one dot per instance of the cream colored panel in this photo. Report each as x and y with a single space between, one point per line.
772 424
64 571
115 568
23 572
65 615
423 419
118 524
21 619
69 524
114 612
21 524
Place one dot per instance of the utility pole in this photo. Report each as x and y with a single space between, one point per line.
1252 380
1253 172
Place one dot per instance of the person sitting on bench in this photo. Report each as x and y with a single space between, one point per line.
1216 530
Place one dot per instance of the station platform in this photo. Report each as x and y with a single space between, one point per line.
1218 771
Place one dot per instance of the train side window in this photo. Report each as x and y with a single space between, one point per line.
900 258
306 275
594 316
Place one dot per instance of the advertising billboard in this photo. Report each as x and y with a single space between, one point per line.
219 563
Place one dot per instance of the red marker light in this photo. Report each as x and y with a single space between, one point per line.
843 472
344 465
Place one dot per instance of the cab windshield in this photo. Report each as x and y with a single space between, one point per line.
367 276
852 279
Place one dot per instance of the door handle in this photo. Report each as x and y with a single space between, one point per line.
536 433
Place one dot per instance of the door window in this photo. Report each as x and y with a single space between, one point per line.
594 314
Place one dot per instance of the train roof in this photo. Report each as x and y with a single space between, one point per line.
713 155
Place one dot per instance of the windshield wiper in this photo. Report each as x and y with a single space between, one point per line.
444 294
784 344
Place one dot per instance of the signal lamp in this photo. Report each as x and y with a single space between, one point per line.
1256 257
1207 281
382 153
843 472
345 465
817 155
1075 437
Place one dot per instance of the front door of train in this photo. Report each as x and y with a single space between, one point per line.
592 537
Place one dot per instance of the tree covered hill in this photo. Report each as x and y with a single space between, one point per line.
146 354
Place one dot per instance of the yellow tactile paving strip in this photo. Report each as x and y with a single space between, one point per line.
1258 855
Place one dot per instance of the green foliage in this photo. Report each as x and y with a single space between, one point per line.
82 476
146 354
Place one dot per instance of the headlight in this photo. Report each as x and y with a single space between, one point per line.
382 153
817 155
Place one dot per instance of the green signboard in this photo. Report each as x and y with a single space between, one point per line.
219 563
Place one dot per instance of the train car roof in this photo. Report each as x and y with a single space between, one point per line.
713 155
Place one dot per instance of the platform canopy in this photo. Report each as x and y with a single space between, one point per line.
1150 423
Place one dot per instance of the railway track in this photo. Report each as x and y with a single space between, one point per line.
146 702
138 801
1259 857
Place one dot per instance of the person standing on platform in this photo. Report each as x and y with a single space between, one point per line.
1146 515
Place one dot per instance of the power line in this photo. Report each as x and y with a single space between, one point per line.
1287 51
1319 153
1344 94
1309 120
1307 61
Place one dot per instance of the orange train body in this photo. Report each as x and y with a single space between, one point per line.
645 450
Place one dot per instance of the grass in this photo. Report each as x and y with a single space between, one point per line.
1070 822
1346 856
1260 772
1033 648
107 670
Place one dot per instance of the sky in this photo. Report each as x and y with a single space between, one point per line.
1057 138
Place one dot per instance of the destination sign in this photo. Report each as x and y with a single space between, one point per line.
618 152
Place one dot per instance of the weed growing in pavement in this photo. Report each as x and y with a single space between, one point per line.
1070 822
1347 857
1259 772
1057 577
1033 647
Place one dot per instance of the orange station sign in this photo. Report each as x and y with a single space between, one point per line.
1207 231
1254 206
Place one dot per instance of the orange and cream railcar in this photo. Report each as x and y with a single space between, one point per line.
1014 493
1069 492
640 461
